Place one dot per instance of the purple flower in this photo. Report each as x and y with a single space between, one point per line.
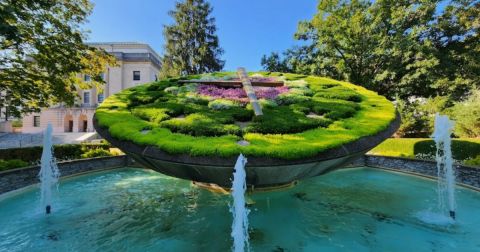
238 94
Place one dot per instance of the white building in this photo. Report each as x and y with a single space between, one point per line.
136 64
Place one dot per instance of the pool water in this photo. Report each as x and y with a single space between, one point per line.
131 209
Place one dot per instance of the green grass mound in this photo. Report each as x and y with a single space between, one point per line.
307 116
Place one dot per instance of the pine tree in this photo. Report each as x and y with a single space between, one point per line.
191 45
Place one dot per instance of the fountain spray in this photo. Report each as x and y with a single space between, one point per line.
238 209
49 172
445 172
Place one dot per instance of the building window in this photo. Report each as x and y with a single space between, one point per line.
36 121
86 97
101 97
136 75
102 75
87 77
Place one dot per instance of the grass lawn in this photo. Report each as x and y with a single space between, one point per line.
464 150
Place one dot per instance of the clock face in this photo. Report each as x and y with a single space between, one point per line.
217 114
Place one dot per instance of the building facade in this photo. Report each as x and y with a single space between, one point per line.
136 64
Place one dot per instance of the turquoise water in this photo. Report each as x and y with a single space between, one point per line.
140 210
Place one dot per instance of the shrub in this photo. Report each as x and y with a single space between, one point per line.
263 103
198 124
193 98
296 84
96 153
288 98
334 109
151 114
143 97
463 149
474 161
64 152
159 111
17 123
222 104
267 103
186 88
282 120
160 85
301 91
12 164
339 92
172 90
467 116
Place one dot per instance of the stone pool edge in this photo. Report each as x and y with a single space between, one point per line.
466 176
14 179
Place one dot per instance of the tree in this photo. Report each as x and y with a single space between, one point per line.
273 63
191 45
300 59
396 47
455 38
42 53
467 116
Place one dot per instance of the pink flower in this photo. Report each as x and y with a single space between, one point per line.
238 94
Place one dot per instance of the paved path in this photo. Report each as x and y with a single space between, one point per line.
19 140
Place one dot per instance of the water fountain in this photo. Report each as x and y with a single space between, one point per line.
445 170
238 209
49 172
138 210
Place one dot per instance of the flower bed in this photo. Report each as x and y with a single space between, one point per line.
238 94
301 119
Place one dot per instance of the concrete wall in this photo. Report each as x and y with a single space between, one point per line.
146 73
15 179
115 77
465 175
6 126
18 178
59 118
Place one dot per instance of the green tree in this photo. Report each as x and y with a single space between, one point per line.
42 53
300 59
467 116
399 48
455 39
371 43
191 45
273 63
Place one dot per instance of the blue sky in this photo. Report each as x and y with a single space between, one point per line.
247 29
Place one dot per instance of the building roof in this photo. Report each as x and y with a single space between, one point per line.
129 56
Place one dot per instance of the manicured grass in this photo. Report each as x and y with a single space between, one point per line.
172 117
465 150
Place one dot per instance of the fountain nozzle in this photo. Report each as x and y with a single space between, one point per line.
48 209
452 214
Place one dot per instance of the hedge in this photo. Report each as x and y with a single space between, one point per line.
62 152
464 150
